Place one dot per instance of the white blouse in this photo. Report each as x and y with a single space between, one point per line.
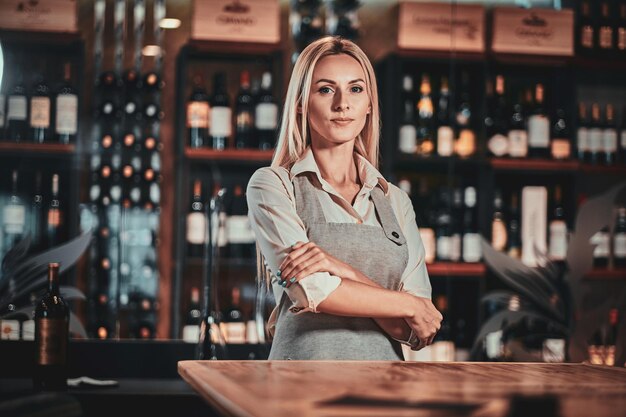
277 226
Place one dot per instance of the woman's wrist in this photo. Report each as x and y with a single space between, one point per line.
407 304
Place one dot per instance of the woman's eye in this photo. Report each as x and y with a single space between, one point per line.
325 90
357 89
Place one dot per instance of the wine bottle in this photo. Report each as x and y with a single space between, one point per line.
609 136
601 251
196 223
495 122
66 108
498 224
244 114
17 111
514 239
234 325
36 214
54 214
558 238
456 237
560 143
582 134
52 320
606 30
266 114
40 109
472 251
193 319
595 135
13 217
620 42
539 127
465 145
241 241
424 213
407 135
445 133
443 230
619 239
425 113
198 111
443 348
220 126
586 28
517 134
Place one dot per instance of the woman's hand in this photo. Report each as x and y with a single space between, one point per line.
425 320
308 258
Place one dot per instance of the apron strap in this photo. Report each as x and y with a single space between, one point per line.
387 217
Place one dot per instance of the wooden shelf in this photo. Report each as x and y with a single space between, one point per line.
38 149
198 46
443 269
606 275
441 55
407 161
229 155
533 164
40 37
600 63
603 170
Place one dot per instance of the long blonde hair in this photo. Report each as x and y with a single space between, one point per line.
293 137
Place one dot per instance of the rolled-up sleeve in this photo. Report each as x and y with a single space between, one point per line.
415 278
277 227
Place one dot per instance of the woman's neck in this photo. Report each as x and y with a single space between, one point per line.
336 163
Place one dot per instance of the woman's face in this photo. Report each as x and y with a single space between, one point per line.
338 102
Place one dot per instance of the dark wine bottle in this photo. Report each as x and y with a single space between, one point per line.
407 134
539 127
193 319
196 223
585 38
17 112
66 109
198 114
40 109
52 318
619 239
266 114
220 126
609 136
36 215
244 114
54 214
425 116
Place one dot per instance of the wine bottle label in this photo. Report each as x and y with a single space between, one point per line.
472 251
493 344
609 140
621 39
428 239
9 329
557 248
28 330
238 230
54 217
601 240
52 335
622 139
198 114
266 116
444 246
234 332
17 108
455 247
619 245
498 235
191 333
582 139
560 148
586 36
595 140
445 141
2 110
14 217
443 351
407 141
221 122
196 228
605 37
498 145
243 120
518 143
40 112
538 131
67 114
553 350
466 143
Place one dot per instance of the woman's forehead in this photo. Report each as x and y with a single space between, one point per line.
337 68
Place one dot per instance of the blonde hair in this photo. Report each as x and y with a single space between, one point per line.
293 137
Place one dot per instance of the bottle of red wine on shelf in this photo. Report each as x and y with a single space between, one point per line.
602 250
609 137
472 251
595 135
465 145
495 122
558 238
220 126
443 230
620 43
13 217
517 134
244 114
17 112
619 239
52 320
407 135
456 237
425 115
40 109
233 324
585 37
266 114
241 242
560 145
514 239
36 214
539 127
193 319
66 109
54 214
498 224
196 223
582 134
198 114
445 133
606 29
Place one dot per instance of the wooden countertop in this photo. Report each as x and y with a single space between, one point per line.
356 388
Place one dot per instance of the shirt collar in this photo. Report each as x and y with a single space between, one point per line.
368 174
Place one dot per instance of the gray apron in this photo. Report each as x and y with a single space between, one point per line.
380 253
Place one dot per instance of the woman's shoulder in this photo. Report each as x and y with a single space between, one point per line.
399 199
270 178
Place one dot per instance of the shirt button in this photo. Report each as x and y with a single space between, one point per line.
395 234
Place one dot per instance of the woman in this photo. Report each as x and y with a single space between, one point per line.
345 257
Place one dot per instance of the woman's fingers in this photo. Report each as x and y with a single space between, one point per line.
306 268
296 250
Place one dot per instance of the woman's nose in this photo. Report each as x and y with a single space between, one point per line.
341 102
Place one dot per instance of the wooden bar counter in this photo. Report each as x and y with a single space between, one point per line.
354 388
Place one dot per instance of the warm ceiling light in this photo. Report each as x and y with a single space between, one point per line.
169 23
151 50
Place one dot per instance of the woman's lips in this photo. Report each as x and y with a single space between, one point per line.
342 121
